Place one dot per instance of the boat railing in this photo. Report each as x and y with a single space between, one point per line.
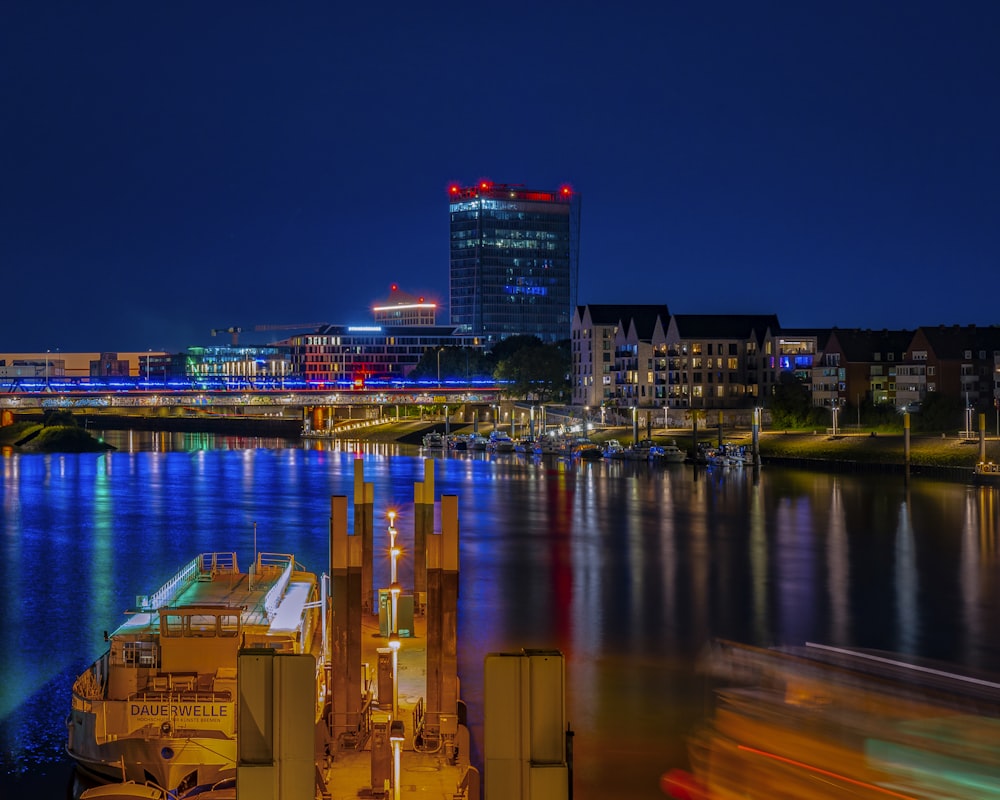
166 593
272 562
213 563
192 695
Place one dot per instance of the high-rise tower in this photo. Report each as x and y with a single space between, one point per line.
514 261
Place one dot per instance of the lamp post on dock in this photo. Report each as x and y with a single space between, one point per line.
394 592
396 730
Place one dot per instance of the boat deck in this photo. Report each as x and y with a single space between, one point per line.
231 589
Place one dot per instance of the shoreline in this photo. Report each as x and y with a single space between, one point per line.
930 454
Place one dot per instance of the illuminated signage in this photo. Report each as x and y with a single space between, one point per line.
534 290
365 329
182 715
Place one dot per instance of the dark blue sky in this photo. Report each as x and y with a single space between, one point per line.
170 168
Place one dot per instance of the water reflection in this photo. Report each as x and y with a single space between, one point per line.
628 569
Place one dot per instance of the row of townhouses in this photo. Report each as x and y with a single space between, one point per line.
642 356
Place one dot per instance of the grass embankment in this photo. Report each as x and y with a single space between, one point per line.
32 437
883 448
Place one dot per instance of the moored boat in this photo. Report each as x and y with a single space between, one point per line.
586 449
478 443
823 722
638 451
526 445
159 707
500 442
613 449
129 790
988 473
433 441
667 454
548 445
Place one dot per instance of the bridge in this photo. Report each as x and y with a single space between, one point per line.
319 402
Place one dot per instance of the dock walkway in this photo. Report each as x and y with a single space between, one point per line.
425 775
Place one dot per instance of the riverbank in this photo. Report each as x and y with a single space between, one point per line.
881 452
861 452
30 437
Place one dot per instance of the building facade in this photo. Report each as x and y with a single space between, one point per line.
719 361
402 308
355 354
514 261
958 361
595 347
641 358
860 366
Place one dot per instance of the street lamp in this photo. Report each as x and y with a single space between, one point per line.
835 409
394 592
396 736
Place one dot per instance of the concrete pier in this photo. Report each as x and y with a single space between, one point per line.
364 527
357 757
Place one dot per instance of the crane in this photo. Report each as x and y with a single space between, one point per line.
231 330
292 327
289 327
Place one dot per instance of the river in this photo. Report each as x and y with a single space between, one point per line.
629 569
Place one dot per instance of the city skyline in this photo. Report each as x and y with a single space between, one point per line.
169 171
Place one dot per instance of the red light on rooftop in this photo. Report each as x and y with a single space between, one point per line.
421 299
565 191
394 288
453 188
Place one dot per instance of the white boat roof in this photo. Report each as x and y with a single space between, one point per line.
288 617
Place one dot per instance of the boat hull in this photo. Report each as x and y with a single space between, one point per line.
987 474
160 706
174 763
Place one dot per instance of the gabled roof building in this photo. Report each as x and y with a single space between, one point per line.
959 361
641 358
856 366
594 339
721 360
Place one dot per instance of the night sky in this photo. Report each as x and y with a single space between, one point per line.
169 168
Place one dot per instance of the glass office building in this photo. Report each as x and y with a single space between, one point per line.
514 261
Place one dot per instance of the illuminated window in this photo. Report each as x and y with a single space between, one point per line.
172 625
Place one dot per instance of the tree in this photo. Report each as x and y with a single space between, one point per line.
791 405
58 418
457 363
541 370
939 412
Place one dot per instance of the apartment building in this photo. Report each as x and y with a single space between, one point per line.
858 366
958 361
595 342
718 361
